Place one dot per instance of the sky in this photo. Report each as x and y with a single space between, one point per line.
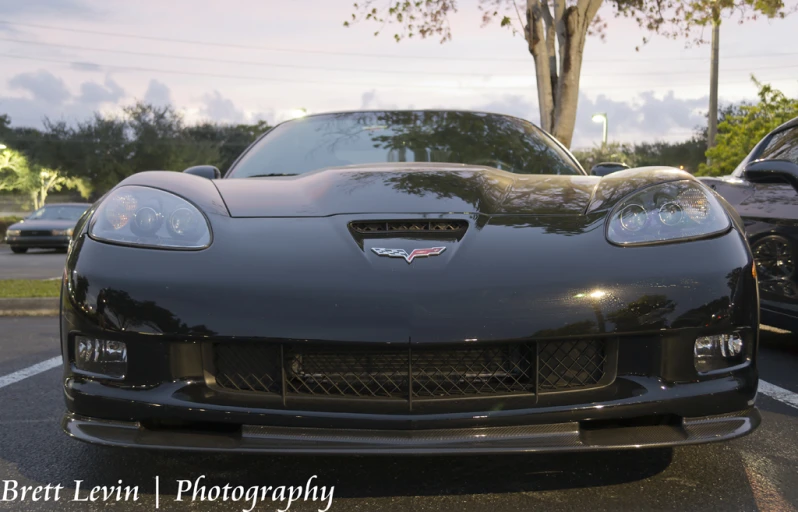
247 60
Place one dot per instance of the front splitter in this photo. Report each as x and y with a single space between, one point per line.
558 437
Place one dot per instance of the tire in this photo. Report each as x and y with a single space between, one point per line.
19 250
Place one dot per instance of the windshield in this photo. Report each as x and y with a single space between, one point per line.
335 140
58 213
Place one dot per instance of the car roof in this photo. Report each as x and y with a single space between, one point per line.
400 110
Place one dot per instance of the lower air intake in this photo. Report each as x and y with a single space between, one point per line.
418 373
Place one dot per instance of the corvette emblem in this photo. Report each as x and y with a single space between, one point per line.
401 253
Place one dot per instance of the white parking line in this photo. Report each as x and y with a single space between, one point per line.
30 371
766 388
782 395
773 329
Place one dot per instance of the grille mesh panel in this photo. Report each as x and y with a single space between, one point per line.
399 373
452 226
571 364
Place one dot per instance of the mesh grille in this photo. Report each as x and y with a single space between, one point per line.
479 371
30 232
571 364
249 367
423 373
410 226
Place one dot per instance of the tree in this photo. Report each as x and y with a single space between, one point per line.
740 131
555 32
17 174
103 150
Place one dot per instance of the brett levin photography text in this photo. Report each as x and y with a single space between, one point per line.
256 497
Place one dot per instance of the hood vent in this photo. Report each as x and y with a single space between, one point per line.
451 227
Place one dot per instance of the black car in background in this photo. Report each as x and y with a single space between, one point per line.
49 227
764 190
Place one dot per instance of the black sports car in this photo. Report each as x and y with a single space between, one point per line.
409 282
49 227
764 191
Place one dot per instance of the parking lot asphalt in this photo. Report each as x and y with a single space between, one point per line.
35 264
757 472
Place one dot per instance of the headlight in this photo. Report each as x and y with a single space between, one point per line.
62 232
13 232
667 212
149 217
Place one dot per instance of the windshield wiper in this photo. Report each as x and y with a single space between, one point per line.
271 174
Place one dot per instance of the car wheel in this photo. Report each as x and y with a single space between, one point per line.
774 257
19 250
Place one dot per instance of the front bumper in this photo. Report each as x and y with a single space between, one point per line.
173 324
568 436
42 242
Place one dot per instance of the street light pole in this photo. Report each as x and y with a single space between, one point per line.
602 118
712 130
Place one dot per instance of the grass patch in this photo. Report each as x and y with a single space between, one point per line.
23 288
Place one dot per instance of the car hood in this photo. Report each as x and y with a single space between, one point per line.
407 188
43 224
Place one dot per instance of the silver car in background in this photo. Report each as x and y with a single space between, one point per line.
49 227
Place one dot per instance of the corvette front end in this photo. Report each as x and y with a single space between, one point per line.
414 308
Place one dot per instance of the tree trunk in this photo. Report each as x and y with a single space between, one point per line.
552 26
572 27
538 47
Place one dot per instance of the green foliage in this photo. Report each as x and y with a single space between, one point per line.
688 19
16 174
104 150
743 128
5 222
612 152
668 18
687 155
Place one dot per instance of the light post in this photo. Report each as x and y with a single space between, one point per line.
602 118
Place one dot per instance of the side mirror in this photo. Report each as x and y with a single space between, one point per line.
606 168
770 171
204 171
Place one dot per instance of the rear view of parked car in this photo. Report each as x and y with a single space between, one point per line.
49 227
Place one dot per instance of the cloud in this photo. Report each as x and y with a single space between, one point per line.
40 8
514 105
158 94
222 109
645 117
367 99
93 93
46 95
42 86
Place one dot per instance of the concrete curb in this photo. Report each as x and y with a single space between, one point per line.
34 306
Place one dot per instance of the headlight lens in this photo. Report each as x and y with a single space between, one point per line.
671 211
62 232
13 232
149 217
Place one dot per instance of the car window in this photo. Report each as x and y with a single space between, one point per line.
58 213
335 140
782 146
